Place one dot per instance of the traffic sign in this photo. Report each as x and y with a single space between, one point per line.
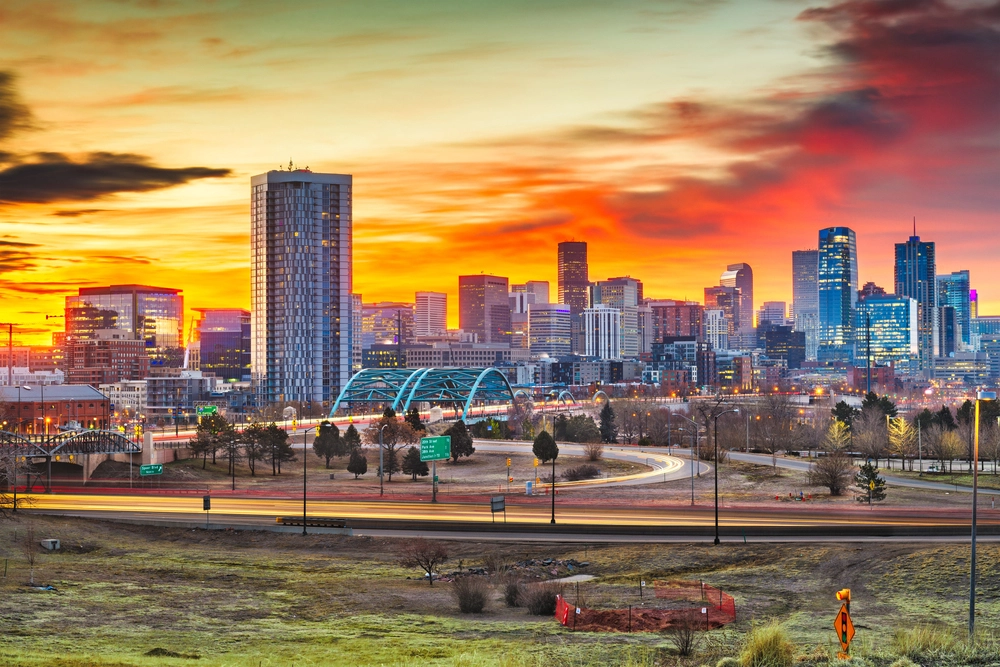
871 485
844 627
205 410
153 469
436 448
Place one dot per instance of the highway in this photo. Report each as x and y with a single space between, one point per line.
525 516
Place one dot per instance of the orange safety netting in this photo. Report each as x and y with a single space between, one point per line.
710 608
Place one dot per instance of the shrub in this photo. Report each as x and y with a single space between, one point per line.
472 593
513 591
728 662
540 599
594 451
497 565
424 554
585 471
767 646
683 632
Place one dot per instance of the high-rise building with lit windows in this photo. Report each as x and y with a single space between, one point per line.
574 285
300 285
889 324
953 290
837 292
430 313
805 298
915 277
484 307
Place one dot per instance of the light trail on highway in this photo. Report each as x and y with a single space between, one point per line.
266 510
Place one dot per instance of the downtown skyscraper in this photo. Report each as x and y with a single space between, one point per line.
484 307
837 292
805 297
574 286
300 275
741 276
915 278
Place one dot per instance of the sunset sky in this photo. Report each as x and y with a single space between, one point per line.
675 137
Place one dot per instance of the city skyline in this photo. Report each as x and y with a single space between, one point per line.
111 177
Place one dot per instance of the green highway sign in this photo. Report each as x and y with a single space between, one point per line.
154 469
205 410
435 449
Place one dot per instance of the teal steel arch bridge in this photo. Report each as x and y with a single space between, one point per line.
399 388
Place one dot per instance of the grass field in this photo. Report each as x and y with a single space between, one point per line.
139 596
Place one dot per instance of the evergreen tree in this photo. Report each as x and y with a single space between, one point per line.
358 464
925 419
388 413
609 431
328 442
944 418
545 447
278 448
413 466
390 461
351 439
844 413
413 419
883 403
872 486
461 441
560 427
967 413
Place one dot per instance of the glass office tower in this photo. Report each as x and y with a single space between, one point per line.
953 290
224 343
890 324
837 292
805 298
301 246
915 278
151 314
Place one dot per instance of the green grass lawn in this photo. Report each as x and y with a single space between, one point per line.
159 597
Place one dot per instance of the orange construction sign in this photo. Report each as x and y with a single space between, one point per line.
844 627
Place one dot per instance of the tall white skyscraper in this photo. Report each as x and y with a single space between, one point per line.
300 280
430 313
602 332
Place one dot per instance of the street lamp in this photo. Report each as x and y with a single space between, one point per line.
736 411
694 463
305 468
381 472
980 397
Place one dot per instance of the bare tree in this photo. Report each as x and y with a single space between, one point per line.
837 438
11 471
520 418
396 435
632 414
424 554
943 444
903 440
989 444
870 436
834 471
777 425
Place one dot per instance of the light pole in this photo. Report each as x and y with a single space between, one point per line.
694 462
736 411
980 397
381 472
305 468
554 488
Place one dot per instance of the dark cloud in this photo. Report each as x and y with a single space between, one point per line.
119 259
55 287
76 213
14 115
16 260
17 244
55 177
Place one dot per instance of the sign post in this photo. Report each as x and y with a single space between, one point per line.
435 449
843 624
152 469
498 504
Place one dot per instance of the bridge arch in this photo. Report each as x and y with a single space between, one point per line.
599 392
401 388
